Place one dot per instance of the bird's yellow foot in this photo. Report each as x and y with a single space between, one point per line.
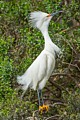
43 108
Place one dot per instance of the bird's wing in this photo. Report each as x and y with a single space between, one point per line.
38 67
42 68
38 70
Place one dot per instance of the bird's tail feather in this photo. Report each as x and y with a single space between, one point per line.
20 80
24 82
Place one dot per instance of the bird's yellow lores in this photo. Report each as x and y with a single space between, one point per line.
41 69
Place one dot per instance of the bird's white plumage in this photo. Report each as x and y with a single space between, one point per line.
37 18
40 70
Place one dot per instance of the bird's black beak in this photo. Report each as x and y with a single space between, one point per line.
53 14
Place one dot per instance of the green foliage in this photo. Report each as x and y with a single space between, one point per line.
20 44
72 109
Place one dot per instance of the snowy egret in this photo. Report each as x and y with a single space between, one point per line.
40 70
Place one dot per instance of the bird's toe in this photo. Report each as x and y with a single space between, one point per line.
43 108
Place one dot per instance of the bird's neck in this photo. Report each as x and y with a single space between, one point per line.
46 37
49 45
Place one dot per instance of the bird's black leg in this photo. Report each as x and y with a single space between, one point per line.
40 97
42 107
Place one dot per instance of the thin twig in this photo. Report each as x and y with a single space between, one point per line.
66 42
56 85
69 75
35 114
52 117
63 74
69 29
47 88
71 65
57 103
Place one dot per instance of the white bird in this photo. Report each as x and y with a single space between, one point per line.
41 69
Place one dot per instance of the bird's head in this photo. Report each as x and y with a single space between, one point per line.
41 20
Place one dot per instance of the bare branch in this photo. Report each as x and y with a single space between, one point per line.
60 36
55 116
63 74
72 65
71 28
57 103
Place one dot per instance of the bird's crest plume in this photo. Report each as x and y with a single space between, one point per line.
37 18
